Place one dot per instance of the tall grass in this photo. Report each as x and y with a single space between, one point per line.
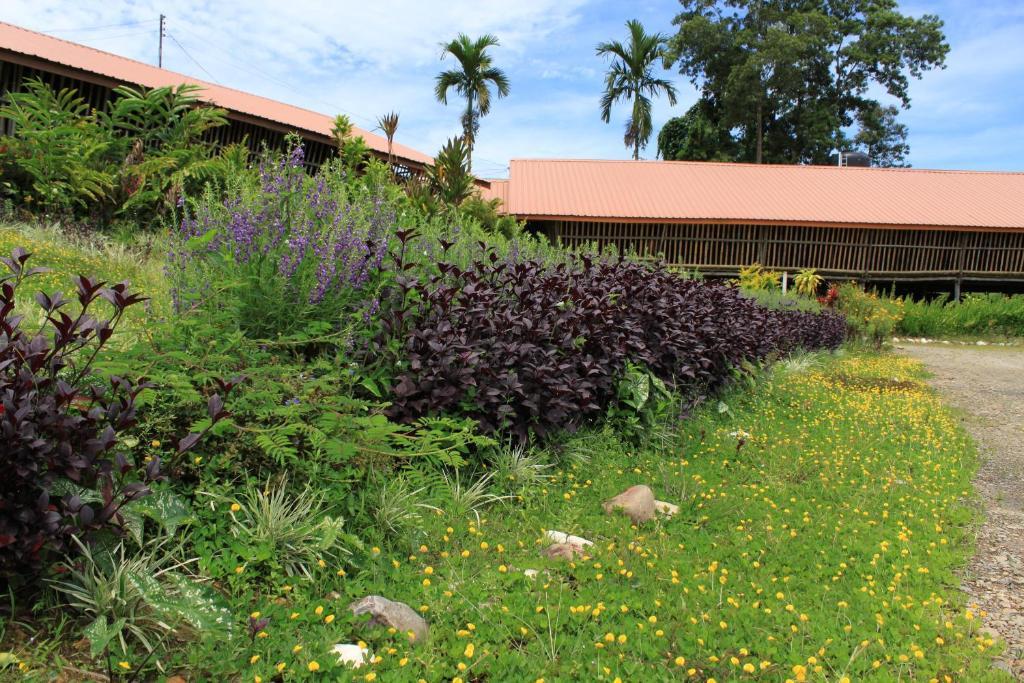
993 315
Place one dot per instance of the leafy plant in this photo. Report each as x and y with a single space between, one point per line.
449 177
58 421
517 468
138 597
755 278
286 532
642 401
59 149
807 282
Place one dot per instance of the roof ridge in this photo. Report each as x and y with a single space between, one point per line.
747 164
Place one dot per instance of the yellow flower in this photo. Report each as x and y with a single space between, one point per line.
254 615
370 677
319 610
297 649
680 661
154 443
235 507
124 665
254 659
428 571
329 618
468 654
313 666
403 661
280 667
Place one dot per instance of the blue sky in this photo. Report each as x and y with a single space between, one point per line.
367 58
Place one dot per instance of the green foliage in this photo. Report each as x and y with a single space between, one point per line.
783 83
872 317
986 315
58 158
450 178
694 136
473 79
485 212
352 149
756 278
275 531
136 598
132 160
630 78
807 282
642 403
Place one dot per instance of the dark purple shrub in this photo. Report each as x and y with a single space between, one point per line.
529 347
59 424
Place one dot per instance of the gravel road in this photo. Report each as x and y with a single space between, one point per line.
987 384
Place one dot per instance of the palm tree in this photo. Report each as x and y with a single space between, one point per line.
388 125
629 78
472 80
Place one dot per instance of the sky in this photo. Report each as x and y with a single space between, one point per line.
368 58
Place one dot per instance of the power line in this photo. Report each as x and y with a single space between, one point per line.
203 68
97 28
93 39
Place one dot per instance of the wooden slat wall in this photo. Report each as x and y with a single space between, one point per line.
838 251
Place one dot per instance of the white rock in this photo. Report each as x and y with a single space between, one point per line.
562 537
530 573
667 509
981 343
351 655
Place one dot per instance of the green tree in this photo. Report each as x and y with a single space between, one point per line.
473 80
695 136
630 77
881 136
784 80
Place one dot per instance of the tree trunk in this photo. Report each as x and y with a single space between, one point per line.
760 132
467 132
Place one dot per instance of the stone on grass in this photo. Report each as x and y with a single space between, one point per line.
562 551
562 537
391 614
637 502
351 655
667 509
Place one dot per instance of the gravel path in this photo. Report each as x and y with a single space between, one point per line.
988 384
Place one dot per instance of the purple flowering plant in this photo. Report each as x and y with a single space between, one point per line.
285 253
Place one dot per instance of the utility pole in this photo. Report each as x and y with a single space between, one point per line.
163 32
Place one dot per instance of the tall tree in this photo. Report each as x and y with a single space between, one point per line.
786 80
630 77
473 80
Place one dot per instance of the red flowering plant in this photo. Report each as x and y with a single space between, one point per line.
64 475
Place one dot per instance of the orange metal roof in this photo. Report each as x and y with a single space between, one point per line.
688 191
496 189
20 40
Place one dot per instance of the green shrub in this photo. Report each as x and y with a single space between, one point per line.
975 315
871 317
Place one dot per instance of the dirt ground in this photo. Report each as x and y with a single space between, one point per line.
987 384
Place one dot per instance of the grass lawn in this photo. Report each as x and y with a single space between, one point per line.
66 257
825 512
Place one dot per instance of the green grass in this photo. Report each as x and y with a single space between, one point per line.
67 256
824 547
977 315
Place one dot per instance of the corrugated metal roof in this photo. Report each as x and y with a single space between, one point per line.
76 56
496 189
685 191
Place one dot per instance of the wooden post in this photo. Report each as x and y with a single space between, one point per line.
785 281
